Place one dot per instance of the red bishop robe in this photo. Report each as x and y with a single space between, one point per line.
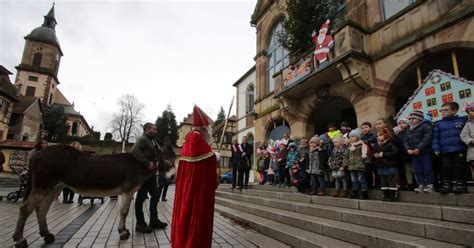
193 211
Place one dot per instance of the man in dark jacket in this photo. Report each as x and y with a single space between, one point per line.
418 146
146 150
246 162
447 144
235 160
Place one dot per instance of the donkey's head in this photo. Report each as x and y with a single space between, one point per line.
167 156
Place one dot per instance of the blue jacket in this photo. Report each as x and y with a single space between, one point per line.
446 135
420 137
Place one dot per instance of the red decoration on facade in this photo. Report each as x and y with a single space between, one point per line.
417 105
324 43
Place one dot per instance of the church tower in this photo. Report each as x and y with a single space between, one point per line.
37 74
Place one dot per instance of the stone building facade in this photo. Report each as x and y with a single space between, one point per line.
382 51
245 88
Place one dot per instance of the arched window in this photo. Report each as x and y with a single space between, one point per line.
277 57
249 98
37 59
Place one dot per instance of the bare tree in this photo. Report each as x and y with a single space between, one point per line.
126 122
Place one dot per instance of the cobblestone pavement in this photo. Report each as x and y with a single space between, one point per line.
96 226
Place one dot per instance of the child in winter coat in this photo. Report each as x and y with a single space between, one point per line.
401 132
292 158
447 144
385 160
467 135
418 147
316 163
302 151
300 178
337 164
263 165
356 165
274 175
281 159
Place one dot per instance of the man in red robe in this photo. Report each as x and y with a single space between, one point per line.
196 184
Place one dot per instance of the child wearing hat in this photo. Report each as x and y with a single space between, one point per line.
447 145
418 146
316 164
281 159
386 160
467 134
291 159
356 165
337 164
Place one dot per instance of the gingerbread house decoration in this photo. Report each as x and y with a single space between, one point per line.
439 87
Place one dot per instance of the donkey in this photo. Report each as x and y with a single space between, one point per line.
93 175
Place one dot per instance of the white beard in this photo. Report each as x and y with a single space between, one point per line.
321 38
208 135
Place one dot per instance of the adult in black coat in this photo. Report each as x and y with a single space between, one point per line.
235 160
246 161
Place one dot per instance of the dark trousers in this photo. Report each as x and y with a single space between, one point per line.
162 188
68 194
287 176
423 169
387 181
453 166
235 170
243 172
149 186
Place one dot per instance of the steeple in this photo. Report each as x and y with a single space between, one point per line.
49 19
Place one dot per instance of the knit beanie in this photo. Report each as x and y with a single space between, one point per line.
355 133
315 139
417 114
469 106
404 120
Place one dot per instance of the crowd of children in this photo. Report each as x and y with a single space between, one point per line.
438 154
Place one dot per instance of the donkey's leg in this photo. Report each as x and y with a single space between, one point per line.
125 207
42 211
26 208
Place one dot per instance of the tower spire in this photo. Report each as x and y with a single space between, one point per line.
49 19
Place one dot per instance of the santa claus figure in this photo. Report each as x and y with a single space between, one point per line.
324 43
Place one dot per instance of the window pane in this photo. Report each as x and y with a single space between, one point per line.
271 81
271 60
279 66
278 54
286 61
391 7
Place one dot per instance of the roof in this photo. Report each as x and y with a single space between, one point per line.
260 7
436 77
27 145
244 76
7 89
70 111
24 103
219 126
17 144
4 71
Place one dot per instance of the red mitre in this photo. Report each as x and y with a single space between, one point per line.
199 118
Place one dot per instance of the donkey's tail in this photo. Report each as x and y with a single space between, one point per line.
28 184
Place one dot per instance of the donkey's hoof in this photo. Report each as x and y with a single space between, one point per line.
49 238
21 244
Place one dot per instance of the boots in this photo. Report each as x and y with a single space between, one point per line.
337 193
446 188
385 194
364 195
143 228
354 195
313 192
320 192
396 194
343 194
157 224
459 188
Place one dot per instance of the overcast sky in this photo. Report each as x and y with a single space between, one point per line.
178 52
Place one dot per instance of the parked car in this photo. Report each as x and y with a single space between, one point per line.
226 177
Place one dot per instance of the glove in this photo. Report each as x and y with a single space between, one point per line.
218 156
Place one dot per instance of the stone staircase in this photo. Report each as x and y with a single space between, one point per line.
417 220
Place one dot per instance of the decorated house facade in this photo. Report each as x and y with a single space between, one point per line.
364 67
